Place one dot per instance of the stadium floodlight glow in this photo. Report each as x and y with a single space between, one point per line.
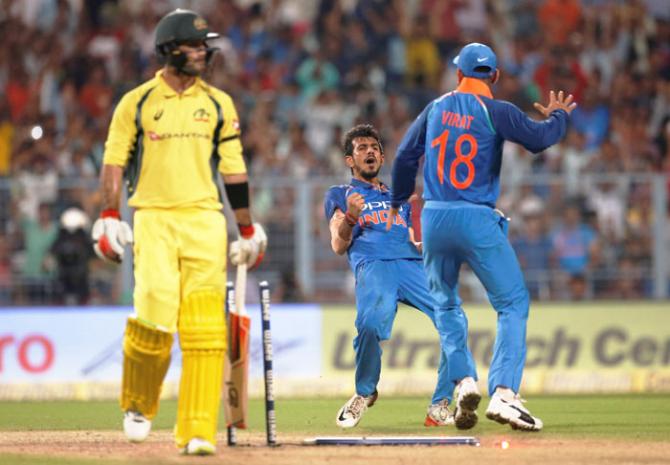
36 132
392 441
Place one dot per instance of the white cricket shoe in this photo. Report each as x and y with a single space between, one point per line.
198 446
465 413
352 412
439 414
507 407
136 426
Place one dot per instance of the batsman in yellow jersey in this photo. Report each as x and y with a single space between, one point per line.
170 139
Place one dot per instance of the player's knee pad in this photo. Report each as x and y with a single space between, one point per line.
146 359
202 336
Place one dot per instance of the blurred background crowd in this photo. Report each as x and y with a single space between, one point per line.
585 213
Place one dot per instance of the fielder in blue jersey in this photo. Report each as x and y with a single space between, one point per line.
461 135
388 269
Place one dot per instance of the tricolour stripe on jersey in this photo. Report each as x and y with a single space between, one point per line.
486 112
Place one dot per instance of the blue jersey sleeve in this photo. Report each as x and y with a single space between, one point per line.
513 125
406 163
335 199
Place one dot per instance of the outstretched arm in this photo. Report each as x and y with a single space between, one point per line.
406 163
515 126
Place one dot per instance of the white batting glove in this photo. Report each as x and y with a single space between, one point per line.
250 247
110 235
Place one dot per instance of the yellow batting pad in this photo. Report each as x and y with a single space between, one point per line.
202 335
146 358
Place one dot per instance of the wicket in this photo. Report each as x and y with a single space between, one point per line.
266 339
270 419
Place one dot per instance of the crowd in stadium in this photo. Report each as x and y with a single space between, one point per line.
302 72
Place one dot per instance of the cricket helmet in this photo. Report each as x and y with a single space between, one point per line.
178 27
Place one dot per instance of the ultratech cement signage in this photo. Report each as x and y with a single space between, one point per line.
591 347
76 353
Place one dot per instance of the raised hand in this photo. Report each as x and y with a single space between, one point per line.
355 205
560 103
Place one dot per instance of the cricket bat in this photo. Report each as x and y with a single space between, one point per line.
237 370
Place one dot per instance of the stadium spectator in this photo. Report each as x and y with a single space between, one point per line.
591 119
279 56
5 271
37 236
72 249
7 130
533 247
574 243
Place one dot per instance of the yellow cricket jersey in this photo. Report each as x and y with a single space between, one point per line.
172 145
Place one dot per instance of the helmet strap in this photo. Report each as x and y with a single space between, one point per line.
170 55
175 57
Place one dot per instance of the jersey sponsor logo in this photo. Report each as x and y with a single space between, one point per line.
158 114
236 125
177 135
379 217
201 115
377 212
382 204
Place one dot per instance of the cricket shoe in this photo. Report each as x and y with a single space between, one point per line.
136 426
352 412
198 446
439 414
507 407
465 413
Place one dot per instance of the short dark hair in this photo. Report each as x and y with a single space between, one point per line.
360 130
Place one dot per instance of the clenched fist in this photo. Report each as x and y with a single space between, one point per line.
355 205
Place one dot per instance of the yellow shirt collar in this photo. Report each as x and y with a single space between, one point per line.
170 92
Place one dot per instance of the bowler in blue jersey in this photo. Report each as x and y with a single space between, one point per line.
388 269
461 135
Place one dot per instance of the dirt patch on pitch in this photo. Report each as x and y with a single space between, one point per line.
159 448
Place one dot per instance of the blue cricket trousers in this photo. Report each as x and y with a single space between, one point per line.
380 285
458 232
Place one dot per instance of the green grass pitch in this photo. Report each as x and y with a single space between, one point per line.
633 417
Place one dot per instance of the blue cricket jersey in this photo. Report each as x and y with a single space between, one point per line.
370 240
461 134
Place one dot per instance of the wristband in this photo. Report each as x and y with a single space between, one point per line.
350 219
238 195
246 231
110 213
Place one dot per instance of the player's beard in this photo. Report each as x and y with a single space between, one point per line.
369 175
191 69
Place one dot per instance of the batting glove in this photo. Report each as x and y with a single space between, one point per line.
110 235
250 247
